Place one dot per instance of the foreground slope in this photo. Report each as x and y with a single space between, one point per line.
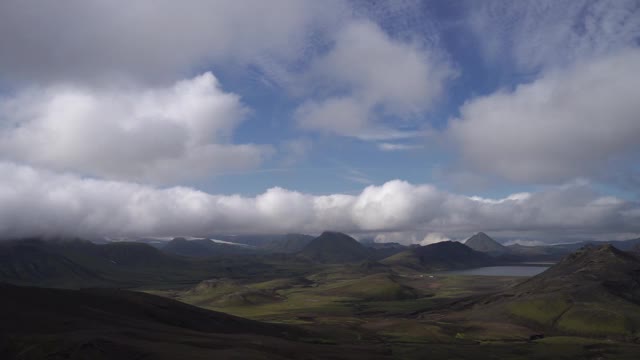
592 292
108 324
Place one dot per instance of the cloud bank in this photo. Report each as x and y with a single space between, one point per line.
35 202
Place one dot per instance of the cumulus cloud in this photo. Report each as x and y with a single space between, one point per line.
157 134
564 125
36 202
548 33
152 40
367 70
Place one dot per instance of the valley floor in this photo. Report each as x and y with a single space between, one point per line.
411 314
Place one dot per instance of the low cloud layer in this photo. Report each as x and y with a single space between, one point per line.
36 202
157 135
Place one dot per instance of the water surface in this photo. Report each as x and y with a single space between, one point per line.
518 270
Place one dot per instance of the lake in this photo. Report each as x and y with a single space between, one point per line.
519 270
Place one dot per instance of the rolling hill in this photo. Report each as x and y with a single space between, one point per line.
334 247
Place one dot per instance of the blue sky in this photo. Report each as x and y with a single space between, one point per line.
330 162
406 120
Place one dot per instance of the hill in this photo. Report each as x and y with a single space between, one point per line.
201 248
483 243
592 292
42 323
335 247
444 255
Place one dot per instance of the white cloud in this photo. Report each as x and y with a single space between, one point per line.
564 125
370 75
152 40
144 134
36 202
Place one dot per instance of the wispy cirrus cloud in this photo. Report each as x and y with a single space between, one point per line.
535 35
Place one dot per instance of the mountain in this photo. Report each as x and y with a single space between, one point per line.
201 248
483 243
42 323
334 247
592 292
439 256
289 243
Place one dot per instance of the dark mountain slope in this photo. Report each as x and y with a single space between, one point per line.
76 264
113 324
335 247
602 268
439 256
30 262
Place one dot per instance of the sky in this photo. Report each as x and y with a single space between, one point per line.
408 121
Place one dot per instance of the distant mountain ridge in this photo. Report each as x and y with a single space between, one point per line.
204 248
